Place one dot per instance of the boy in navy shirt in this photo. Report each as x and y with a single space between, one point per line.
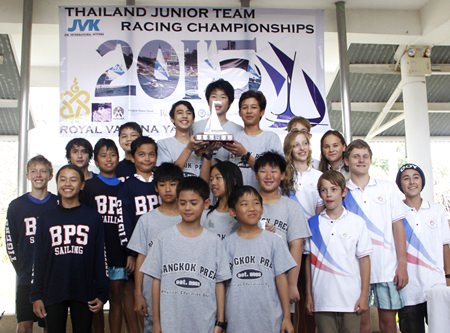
128 132
21 222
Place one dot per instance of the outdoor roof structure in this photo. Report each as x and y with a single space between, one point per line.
9 89
372 81
377 30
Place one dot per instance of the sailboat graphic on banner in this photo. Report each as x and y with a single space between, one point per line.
161 72
211 59
281 120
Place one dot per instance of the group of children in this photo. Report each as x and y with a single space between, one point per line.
188 256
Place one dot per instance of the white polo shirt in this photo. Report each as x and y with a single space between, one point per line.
306 193
379 205
426 231
335 247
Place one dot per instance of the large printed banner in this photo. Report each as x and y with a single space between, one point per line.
122 64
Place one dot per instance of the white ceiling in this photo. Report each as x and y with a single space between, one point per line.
368 21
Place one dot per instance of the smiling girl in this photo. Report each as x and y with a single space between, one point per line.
301 179
69 263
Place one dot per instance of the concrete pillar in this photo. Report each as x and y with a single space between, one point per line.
414 67
344 71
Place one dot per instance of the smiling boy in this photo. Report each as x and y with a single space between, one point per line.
257 297
219 91
281 213
379 204
428 237
252 141
21 221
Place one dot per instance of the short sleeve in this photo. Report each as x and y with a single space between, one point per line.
223 271
282 258
298 226
152 263
138 241
364 244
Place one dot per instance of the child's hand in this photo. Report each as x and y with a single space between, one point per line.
139 305
195 145
208 147
95 305
156 328
235 147
39 309
294 295
309 305
131 264
362 305
401 276
270 227
218 329
286 326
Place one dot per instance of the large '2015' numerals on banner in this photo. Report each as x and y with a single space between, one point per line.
159 70
104 87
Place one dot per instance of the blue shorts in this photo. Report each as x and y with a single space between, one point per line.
117 273
385 296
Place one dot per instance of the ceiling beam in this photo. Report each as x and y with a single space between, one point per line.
396 107
380 129
395 94
438 69
8 103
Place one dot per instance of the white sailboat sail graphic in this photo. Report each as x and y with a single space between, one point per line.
212 60
161 72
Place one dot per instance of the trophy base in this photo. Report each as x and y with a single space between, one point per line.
214 137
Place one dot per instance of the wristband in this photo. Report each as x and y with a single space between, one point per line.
246 157
447 276
222 324
207 156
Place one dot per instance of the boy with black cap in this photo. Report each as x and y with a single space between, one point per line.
427 231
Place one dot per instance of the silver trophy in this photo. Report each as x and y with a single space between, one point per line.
213 128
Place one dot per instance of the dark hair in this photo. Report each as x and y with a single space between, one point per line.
222 85
167 172
103 142
256 94
409 166
194 184
79 142
359 144
71 167
143 140
270 158
238 192
232 177
334 177
323 164
299 119
187 104
133 125
41 160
